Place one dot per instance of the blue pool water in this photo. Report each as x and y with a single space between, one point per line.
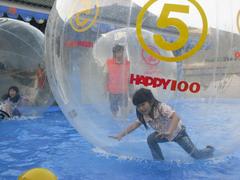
51 142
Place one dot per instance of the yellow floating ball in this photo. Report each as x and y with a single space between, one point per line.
38 174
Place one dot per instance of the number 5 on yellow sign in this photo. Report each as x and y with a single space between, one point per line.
164 21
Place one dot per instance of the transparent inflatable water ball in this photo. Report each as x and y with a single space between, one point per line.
22 69
99 52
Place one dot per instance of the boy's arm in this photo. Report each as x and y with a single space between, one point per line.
174 122
128 130
173 125
169 113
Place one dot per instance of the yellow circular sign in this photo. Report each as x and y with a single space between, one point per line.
163 22
80 24
238 21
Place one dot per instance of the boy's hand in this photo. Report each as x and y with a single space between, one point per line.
116 137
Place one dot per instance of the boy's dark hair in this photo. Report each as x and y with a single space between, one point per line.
118 48
15 88
140 96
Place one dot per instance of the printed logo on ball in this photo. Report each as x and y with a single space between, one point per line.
86 17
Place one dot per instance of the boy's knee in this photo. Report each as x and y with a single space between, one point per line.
151 139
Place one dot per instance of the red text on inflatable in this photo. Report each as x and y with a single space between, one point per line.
157 82
72 44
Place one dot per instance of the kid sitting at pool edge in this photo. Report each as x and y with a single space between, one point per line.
166 123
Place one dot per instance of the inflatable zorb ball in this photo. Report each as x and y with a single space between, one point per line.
99 52
22 65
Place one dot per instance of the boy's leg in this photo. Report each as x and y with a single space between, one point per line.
123 105
113 104
185 142
153 141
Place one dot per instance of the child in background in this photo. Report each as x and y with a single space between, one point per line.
10 101
118 70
